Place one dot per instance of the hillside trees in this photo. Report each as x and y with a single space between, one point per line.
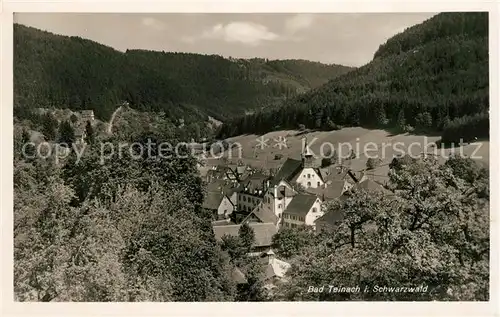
432 79
54 71
432 232
124 229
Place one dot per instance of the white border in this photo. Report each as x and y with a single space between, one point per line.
8 307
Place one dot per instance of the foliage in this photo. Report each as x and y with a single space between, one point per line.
89 133
291 241
373 163
466 128
433 232
247 237
66 133
49 126
59 71
125 229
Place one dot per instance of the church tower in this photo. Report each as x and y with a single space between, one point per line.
307 156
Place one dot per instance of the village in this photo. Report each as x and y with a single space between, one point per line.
292 197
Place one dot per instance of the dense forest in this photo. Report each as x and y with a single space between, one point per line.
54 71
432 77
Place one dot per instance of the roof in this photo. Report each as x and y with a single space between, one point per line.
332 190
283 191
264 214
370 186
212 200
287 171
300 204
253 182
238 277
241 169
264 232
332 217
223 222
276 268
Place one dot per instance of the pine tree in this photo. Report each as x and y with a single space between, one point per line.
49 126
66 133
89 131
247 236
401 119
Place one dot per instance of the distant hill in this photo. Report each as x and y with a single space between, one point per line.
70 72
433 76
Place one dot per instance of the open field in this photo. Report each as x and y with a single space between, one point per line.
367 143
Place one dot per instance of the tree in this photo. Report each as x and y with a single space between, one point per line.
247 236
66 133
89 133
401 120
73 118
49 126
292 241
372 163
422 236
423 120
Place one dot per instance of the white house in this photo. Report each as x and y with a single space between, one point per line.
303 210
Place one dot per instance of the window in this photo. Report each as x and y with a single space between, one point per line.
308 175
319 184
314 209
308 184
244 198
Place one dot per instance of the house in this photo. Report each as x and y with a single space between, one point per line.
87 115
251 192
227 188
331 190
274 269
278 196
262 213
219 204
80 134
330 220
305 172
264 233
303 210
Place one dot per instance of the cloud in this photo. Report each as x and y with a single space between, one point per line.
247 33
153 23
298 22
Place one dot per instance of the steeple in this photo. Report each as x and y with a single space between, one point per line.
307 156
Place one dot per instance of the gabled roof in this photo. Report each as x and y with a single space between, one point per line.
288 171
300 205
333 190
264 232
370 186
264 213
212 200
332 217
237 276
284 191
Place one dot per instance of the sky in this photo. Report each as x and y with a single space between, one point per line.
348 39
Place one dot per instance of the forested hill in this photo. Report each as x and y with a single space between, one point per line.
70 72
432 76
